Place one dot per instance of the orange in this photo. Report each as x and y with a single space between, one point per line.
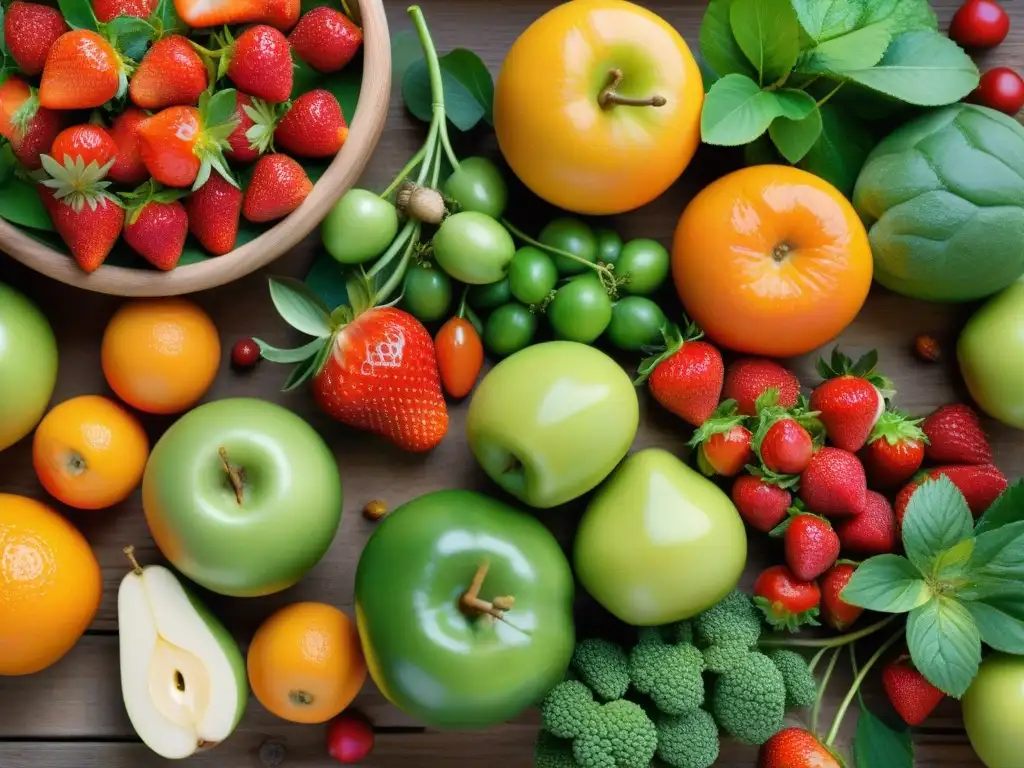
305 663
50 585
160 355
89 452
771 260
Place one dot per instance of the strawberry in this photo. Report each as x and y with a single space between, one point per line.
722 442
686 378
171 73
278 186
213 214
254 133
281 14
326 39
750 377
313 126
894 450
89 221
108 10
785 447
82 71
259 62
87 143
834 484
30 30
836 612
795 748
811 546
215 13
912 696
787 602
761 504
29 127
182 145
851 399
981 486
955 436
128 168
156 224
873 531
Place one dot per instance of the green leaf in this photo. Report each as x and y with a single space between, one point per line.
21 205
1000 622
736 111
859 49
405 49
131 34
841 149
1008 508
997 562
304 77
767 32
297 355
467 84
794 138
937 519
718 48
328 280
165 19
902 15
825 19
220 107
300 307
945 644
78 14
887 583
472 74
8 162
3 41
794 104
922 68
876 743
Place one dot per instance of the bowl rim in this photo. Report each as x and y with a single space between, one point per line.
343 172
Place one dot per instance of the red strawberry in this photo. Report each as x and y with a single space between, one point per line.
787 602
762 505
215 13
171 73
128 168
254 133
278 186
30 30
955 436
313 126
82 71
156 224
834 484
750 377
873 531
912 696
981 486
259 62
29 127
281 14
686 378
87 143
723 443
836 612
326 39
785 447
894 450
812 547
108 10
795 748
850 399
213 214
89 221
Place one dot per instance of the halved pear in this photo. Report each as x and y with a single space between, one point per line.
182 674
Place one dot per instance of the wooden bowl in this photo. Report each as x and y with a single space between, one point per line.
344 170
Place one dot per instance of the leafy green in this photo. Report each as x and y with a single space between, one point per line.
21 205
327 279
768 34
876 743
826 19
736 111
945 644
468 89
841 149
863 47
131 34
78 14
1008 508
1000 622
795 138
936 519
302 309
887 583
718 47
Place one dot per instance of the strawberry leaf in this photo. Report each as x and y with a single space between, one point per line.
219 108
877 743
78 14
937 519
4 51
673 342
165 20
302 309
887 583
129 35
297 355
1007 509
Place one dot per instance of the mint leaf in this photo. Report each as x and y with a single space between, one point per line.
997 563
945 644
859 49
794 138
78 14
472 74
1000 622
736 111
841 149
825 19
768 33
937 519
902 15
876 743
887 583
302 309
794 104
718 48
1008 508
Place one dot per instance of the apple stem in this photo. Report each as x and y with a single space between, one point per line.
234 475
608 97
472 601
130 552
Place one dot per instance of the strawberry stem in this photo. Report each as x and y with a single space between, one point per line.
828 642
857 681
816 710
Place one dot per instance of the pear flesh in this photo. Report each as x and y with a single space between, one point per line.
182 675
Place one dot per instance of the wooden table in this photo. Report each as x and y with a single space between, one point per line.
71 715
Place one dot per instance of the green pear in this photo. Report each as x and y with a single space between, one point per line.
659 542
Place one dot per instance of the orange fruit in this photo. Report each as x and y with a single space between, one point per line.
771 260
89 452
305 663
160 355
50 585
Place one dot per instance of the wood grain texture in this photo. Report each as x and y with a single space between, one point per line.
71 716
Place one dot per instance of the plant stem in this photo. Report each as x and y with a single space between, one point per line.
608 279
429 150
829 642
409 167
816 711
446 143
462 302
396 245
830 94
816 659
399 274
857 681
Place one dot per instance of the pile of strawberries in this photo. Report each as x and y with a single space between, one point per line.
142 148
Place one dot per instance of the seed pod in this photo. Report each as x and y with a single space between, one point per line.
421 203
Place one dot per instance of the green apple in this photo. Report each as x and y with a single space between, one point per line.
552 421
993 710
183 677
465 609
242 496
28 365
659 542
991 356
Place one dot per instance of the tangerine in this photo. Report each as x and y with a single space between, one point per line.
160 355
50 585
89 452
305 663
771 260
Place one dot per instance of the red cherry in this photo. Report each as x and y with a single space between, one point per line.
980 24
349 738
1000 88
245 354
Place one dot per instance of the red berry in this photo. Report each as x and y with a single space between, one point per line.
1002 89
349 738
812 547
762 505
836 612
786 448
980 24
245 354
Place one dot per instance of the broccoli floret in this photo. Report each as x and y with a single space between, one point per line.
681 632
688 741
801 687
618 734
603 666
552 752
734 621
749 701
721 658
669 673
